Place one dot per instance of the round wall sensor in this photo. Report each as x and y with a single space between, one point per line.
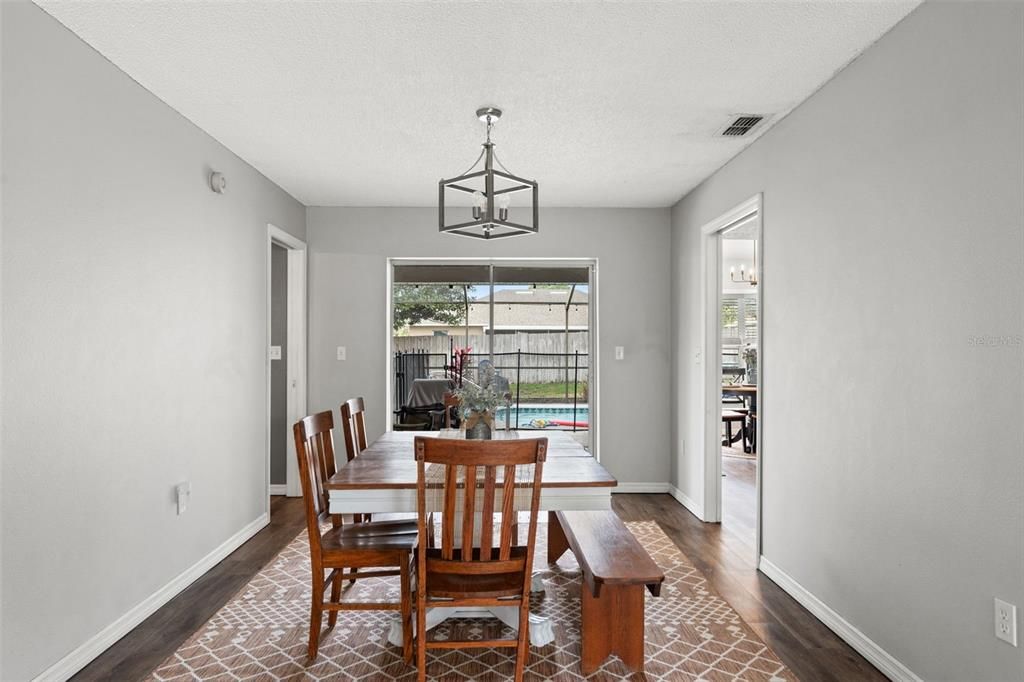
218 183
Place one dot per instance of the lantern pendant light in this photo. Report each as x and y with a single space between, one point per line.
489 210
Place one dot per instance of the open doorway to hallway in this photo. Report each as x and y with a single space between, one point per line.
286 358
279 426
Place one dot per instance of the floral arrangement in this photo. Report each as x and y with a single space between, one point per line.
480 398
750 362
750 355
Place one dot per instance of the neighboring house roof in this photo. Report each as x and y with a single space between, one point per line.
534 309
530 309
536 296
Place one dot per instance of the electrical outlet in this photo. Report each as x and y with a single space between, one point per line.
275 352
1006 622
620 352
184 493
341 352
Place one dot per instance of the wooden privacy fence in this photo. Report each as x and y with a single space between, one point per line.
537 358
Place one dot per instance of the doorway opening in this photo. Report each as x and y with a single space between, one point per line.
531 321
286 358
733 348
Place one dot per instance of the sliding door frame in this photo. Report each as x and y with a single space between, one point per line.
593 388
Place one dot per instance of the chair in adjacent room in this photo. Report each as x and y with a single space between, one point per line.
739 418
751 433
477 563
386 547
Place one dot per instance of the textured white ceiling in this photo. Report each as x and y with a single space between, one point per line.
370 103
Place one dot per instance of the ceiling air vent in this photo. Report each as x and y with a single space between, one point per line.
741 125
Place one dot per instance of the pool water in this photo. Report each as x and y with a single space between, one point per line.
528 413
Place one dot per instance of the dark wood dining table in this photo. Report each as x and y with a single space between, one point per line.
382 479
746 391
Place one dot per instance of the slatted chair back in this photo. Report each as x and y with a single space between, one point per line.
451 402
314 446
479 479
391 550
353 418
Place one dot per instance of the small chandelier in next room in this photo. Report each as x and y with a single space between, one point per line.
481 201
746 276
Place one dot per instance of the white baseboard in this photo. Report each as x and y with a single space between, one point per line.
683 499
878 656
278 489
629 487
93 647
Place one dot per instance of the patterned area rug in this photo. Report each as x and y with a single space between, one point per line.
261 634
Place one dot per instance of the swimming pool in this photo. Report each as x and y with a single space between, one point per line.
528 413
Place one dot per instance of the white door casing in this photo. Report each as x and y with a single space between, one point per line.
296 360
711 356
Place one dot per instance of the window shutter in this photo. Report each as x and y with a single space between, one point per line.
730 322
750 318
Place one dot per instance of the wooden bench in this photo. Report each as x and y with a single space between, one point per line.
616 569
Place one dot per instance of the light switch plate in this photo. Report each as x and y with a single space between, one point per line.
184 494
620 352
275 352
341 352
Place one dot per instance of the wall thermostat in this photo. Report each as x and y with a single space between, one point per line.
218 183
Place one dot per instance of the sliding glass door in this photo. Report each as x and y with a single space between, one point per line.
533 321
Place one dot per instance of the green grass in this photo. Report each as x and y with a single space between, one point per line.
549 392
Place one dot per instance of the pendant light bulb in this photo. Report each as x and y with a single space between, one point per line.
479 205
504 200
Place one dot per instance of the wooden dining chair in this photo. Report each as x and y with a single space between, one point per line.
730 417
469 481
451 402
353 421
385 546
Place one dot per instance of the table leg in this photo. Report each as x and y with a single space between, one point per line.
557 543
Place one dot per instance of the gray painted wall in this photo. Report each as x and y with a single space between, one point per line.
134 339
894 452
349 248
279 430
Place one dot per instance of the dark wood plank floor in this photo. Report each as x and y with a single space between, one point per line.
739 501
810 649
